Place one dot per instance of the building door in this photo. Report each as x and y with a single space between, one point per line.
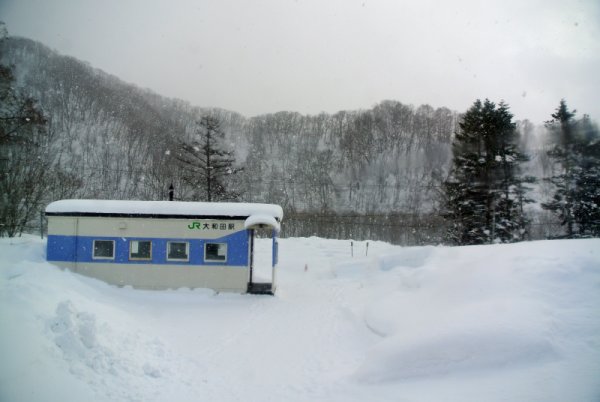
262 270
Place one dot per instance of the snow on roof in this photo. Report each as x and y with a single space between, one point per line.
169 208
261 219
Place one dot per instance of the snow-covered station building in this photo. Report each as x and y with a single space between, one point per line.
163 244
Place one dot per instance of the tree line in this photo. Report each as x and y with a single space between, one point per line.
487 191
101 138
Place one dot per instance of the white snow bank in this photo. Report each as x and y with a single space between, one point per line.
480 308
456 352
95 351
491 323
164 208
409 257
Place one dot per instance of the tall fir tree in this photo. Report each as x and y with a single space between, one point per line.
576 153
485 191
587 207
206 166
562 129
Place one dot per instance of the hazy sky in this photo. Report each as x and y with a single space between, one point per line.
261 56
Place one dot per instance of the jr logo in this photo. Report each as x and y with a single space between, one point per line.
211 226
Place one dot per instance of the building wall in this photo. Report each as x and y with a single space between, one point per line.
143 227
70 245
165 276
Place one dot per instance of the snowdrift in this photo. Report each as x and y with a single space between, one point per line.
505 322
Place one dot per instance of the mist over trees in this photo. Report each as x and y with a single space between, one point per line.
377 173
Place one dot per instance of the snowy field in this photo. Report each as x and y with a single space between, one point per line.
490 323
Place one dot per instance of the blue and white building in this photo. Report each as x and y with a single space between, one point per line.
163 244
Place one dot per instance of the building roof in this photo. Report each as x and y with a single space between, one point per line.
260 220
162 209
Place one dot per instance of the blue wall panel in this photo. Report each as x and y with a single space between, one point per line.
61 248
72 248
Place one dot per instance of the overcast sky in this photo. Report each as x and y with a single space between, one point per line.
263 56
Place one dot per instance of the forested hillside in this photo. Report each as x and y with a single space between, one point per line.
367 173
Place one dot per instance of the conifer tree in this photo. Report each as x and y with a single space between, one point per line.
485 191
586 211
587 207
206 166
576 153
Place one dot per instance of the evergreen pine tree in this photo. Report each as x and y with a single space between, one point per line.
576 153
586 211
485 192
206 166
562 128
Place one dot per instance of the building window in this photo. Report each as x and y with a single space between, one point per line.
140 250
104 249
178 251
215 252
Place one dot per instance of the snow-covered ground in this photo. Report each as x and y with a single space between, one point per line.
490 323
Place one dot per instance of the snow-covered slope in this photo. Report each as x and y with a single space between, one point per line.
490 323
